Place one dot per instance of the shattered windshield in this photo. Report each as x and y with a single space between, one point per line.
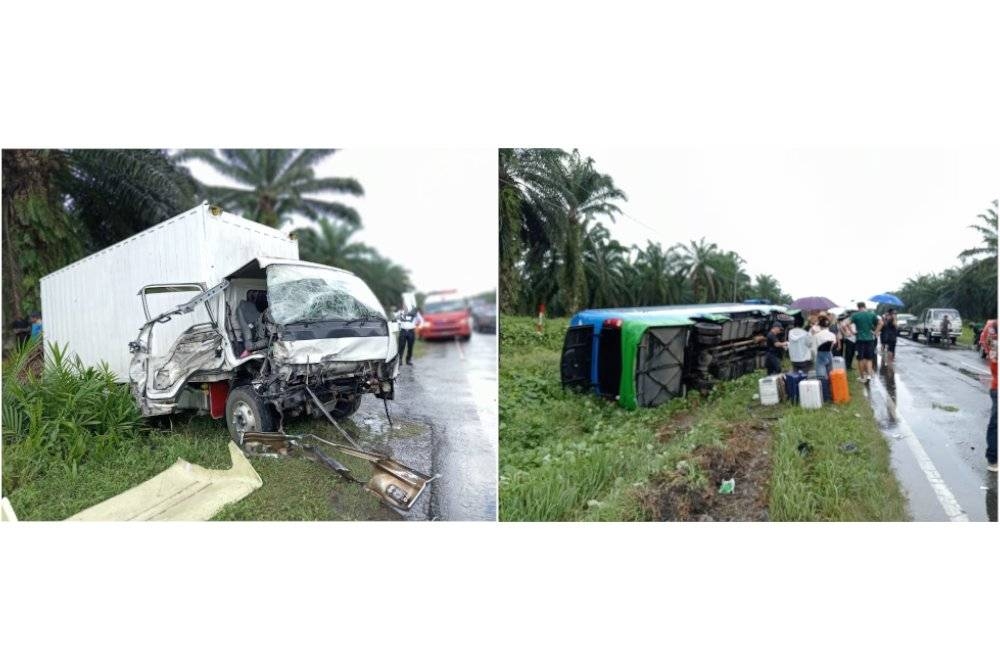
298 293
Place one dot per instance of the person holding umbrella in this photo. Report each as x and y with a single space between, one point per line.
890 330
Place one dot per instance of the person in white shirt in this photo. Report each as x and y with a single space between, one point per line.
408 322
848 338
823 340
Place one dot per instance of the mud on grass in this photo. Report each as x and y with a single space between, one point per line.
690 491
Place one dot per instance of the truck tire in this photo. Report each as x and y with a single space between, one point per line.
915 336
246 411
345 408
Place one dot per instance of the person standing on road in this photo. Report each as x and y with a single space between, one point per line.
36 325
888 337
848 337
945 330
408 322
868 326
775 347
988 342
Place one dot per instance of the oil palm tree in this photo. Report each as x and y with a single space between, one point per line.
766 288
605 261
733 282
989 233
697 262
60 204
583 194
275 184
330 243
657 282
387 280
547 199
526 202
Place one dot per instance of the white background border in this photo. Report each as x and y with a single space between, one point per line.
185 74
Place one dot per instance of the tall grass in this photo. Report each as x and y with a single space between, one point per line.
560 450
61 415
566 456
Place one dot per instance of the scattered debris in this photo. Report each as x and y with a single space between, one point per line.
689 491
727 486
848 447
946 408
804 448
182 492
395 484
6 511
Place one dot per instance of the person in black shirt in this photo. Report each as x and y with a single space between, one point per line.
888 336
774 349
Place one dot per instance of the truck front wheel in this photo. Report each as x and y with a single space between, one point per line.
346 407
246 411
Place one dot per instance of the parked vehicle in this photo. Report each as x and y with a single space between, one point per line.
904 324
229 321
484 317
644 356
929 324
445 316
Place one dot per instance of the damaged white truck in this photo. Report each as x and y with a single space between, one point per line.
213 313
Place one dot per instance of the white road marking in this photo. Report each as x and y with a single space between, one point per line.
944 495
461 354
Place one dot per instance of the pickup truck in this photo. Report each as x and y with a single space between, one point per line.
928 324
904 324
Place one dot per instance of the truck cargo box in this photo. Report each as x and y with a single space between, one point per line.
92 307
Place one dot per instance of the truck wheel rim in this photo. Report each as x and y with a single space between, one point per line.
243 417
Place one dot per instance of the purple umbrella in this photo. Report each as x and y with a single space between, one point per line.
813 303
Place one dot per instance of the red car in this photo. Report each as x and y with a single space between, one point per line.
445 318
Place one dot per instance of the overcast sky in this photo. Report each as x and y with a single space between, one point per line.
845 223
431 210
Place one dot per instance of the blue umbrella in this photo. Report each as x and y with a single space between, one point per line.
887 299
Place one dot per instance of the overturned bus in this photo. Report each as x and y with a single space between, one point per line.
644 356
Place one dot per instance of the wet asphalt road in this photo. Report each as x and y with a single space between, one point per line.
445 423
937 401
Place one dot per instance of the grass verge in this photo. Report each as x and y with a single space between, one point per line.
566 456
73 438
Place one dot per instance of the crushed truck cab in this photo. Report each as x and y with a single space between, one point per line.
256 342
